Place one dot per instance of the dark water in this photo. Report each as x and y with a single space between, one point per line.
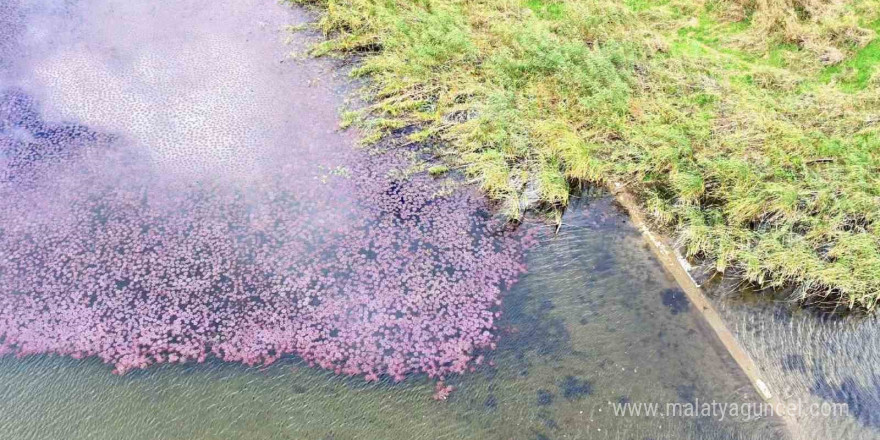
811 360
201 89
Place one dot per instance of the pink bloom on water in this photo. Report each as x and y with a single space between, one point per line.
358 275
441 391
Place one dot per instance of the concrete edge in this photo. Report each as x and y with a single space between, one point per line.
679 267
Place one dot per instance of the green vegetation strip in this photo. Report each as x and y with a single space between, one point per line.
748 128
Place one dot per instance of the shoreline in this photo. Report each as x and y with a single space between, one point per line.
729 144
674 263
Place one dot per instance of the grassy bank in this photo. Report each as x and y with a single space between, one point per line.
749 128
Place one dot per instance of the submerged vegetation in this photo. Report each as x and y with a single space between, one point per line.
749 128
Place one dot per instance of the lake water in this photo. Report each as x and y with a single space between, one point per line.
811 360
171 173
594 321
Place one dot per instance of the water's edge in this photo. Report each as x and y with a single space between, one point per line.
674 263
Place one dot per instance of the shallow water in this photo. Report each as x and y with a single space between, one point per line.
590 323
811 360
156 102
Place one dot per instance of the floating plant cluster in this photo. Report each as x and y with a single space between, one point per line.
102 254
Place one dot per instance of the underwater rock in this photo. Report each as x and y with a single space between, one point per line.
545 398
675 300
574 388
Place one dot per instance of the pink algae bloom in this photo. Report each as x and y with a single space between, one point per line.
441 391
103 255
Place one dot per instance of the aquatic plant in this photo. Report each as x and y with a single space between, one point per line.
103 254
442 391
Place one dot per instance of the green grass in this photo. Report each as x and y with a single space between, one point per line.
438 170
546 10
748 128
855 73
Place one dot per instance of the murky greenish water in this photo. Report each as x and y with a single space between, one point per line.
199 87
